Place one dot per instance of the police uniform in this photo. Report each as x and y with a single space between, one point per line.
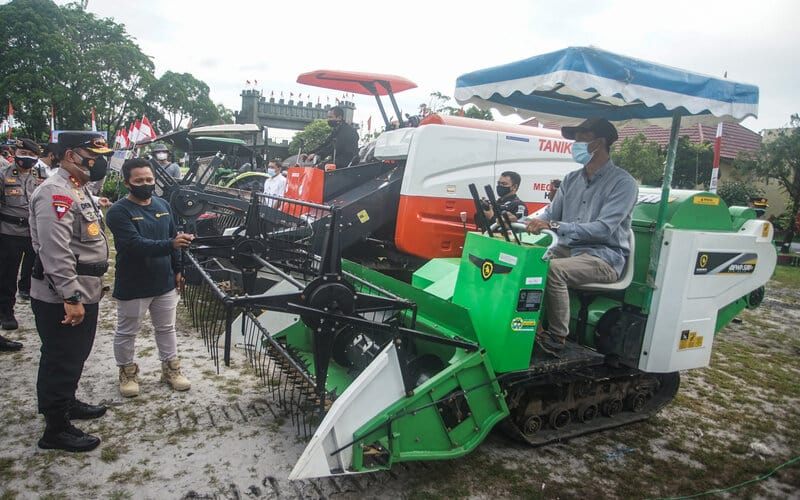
72 255
16 189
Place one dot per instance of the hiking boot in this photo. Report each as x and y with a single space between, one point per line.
9 345
60 434
9 322
551 344
171 374
128 380
78 410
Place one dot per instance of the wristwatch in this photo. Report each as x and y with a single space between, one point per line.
74 299
554 225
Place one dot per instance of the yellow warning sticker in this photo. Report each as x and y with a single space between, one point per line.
765 230
690 340
706 200
363 216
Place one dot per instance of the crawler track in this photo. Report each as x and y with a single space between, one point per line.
578 394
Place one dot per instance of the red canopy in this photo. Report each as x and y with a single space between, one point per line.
358 83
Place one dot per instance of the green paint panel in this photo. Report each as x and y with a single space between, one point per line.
698 210
493 275
447 417
435 315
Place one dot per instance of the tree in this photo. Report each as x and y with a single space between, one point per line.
737 192
70 59
310 137
642 159
177 97
440 103
693 164
67 57
225 114
778 158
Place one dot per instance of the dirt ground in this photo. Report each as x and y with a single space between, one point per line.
226 439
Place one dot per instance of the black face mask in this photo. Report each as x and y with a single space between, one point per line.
97 166
333 123
502 190
143 192
25 162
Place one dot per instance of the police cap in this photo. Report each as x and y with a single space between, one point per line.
91 141
25 143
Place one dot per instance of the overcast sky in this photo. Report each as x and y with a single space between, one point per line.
433 42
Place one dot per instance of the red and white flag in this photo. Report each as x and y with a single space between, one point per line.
10 118
146 131
52 122
94 123
119 141
133 132
712 185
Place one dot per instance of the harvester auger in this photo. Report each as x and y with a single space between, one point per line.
290 269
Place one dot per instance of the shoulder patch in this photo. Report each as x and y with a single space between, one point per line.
61 204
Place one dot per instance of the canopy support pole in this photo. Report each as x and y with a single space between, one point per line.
658 234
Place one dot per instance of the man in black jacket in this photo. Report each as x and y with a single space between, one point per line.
342 144
507 199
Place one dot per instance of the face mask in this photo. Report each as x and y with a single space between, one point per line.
25 162
580 152
161 156
333 123
143 192
99 169
97 166
502 190
271 172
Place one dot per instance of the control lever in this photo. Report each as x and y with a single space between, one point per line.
496 208
480 219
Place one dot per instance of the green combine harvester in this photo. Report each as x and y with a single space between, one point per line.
380 371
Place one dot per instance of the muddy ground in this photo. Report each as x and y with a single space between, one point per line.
226 439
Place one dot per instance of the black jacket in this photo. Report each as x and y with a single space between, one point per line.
342 145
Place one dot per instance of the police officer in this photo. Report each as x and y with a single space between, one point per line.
72 256
17 182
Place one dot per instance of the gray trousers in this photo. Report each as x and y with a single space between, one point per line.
130 314
564 272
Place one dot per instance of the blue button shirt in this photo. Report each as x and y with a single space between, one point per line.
595 213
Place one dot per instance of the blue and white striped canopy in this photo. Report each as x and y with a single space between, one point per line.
575 83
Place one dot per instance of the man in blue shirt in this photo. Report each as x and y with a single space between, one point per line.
147 274
592 217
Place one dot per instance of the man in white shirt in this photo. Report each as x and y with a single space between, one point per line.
48 161
276 184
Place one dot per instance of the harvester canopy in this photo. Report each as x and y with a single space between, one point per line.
580 82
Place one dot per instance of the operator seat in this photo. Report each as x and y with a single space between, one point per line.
588 291
624 280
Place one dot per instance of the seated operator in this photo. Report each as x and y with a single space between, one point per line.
592 217
507 199
341 145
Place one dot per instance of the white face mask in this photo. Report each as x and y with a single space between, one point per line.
271 172
161 156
